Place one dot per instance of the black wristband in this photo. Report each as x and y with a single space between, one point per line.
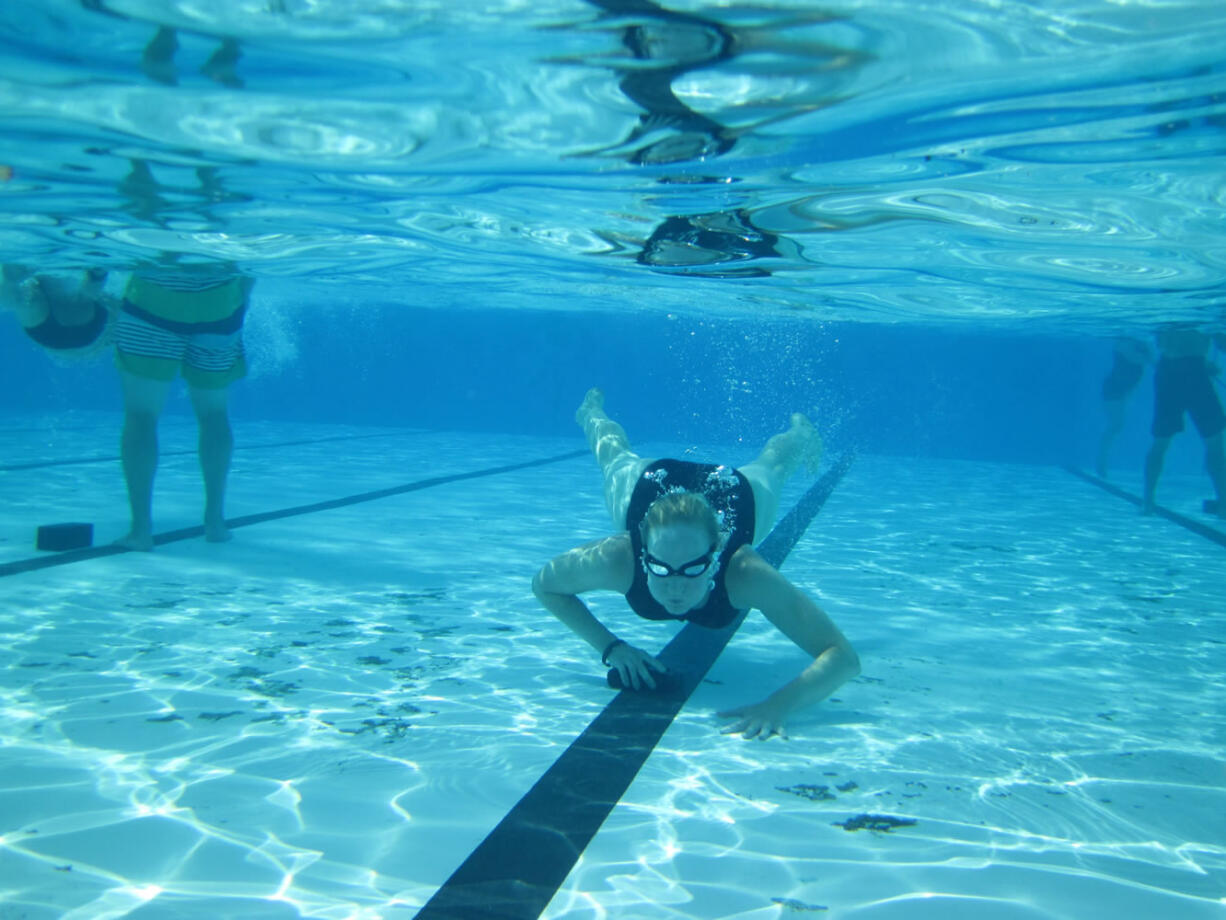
604 658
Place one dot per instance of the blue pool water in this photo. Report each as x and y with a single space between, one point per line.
919 223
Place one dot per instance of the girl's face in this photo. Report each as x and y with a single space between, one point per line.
679 559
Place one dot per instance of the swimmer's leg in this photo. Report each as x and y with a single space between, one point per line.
1114 410
1215 466
1154 461
216 446
143 399
780 458
619 465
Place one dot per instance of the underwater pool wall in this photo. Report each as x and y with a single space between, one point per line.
880 389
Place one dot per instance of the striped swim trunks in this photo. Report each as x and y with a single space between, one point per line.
208 354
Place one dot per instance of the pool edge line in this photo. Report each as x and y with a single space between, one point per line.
33 563
1202 530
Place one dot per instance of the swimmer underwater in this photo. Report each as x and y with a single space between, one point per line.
674 561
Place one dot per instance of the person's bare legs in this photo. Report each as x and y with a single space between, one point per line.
216 446
1215 466
1114 410
780 458
619 465
1154 461
143 400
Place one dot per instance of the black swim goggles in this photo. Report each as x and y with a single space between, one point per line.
691 569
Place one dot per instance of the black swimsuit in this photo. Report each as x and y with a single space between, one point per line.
51 334
730 495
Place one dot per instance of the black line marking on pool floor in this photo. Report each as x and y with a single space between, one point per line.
1203 530
515 872
187 533
79 461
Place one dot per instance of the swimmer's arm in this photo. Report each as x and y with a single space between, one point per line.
595 566
603 565
753 582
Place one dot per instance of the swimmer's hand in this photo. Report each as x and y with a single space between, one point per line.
635 667
758 720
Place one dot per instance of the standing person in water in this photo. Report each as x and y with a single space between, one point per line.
179 320
1183 383
686 553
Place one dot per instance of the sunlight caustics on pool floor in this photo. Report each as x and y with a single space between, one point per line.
324 717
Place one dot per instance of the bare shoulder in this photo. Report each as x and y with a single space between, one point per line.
605 564
753 582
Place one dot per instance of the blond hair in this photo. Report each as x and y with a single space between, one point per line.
681 508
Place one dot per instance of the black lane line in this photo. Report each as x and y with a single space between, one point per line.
515 872
1209 533
187 533
76 461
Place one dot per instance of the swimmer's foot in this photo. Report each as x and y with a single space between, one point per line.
158 60
1147 505
216 531
593 401
138 539
811 441
220 67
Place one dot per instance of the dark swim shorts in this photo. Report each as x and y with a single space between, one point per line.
1183 385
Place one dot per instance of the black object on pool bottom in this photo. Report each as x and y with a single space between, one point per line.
59 537
666 683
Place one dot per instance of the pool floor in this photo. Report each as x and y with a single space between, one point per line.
323 717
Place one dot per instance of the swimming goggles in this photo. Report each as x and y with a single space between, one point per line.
691 569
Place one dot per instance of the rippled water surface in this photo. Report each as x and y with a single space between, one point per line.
1058 163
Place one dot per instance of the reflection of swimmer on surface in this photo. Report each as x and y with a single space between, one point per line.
177 320
158 60
720 244
662 46
685 552
704 244
1129 358
1183 383
158 57
65 316
156 203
